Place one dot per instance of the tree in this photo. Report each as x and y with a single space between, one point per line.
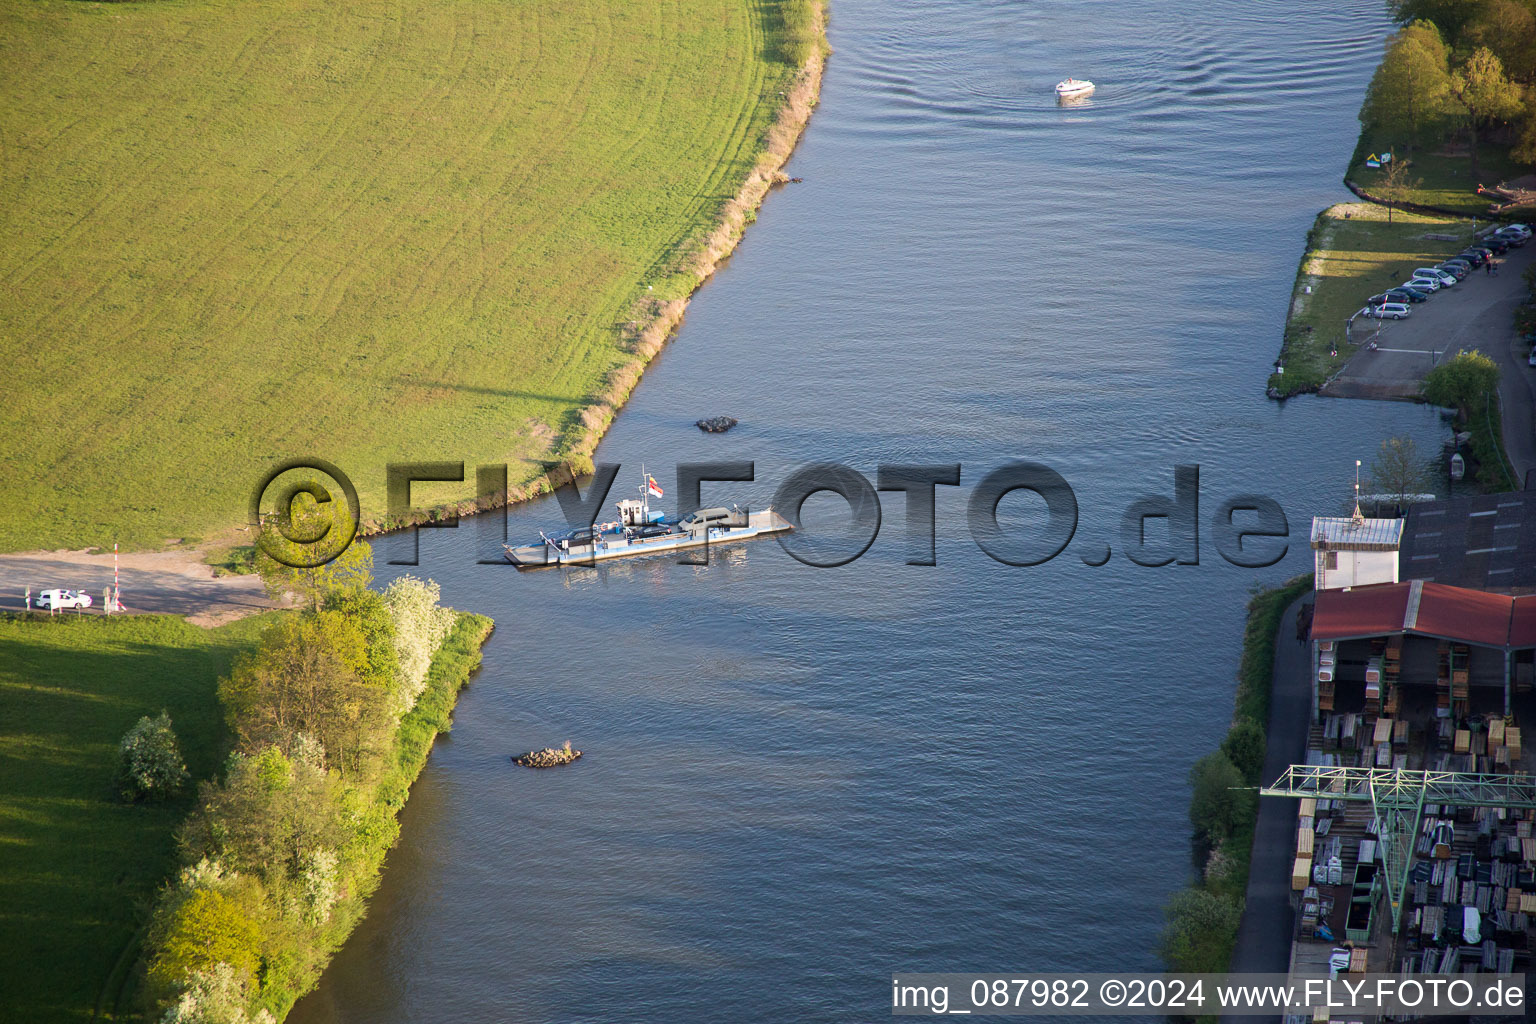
1461 382
149 764
1508 28
1395 185
1409 96
352 569
1480 87
1399 470
311 674
1451 15
1221 804
420 626
1244 747
206 929
1201 930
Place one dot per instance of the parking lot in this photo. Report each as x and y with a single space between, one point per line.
1476 313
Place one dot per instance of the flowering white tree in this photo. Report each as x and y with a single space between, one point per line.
214 996
420 626
320 884
149 764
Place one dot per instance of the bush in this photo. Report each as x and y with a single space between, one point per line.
1220 805
214 996
149 764
1244 747
1201 930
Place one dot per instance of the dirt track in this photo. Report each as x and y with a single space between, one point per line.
176 582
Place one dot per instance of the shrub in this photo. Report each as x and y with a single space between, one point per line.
149 764
1201 930
1220 805
216 995
1244 747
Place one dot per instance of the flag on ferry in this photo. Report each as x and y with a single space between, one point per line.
652 486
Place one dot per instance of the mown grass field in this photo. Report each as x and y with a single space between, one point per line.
1352 254
76 865
1445 180
235 233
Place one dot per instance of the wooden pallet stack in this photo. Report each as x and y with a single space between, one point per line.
1391 667
1327 657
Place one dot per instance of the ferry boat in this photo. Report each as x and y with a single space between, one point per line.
1073 88
641 531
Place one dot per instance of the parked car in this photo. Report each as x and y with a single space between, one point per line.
1456 270
1429 284
1514 240
51 600
1456 261
1496 244
1532 360
1473 256
1445 276
1519 231
1414 294
1387 311
1404 295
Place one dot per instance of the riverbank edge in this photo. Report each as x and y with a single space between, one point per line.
453 665
653 322
456 661
1224 873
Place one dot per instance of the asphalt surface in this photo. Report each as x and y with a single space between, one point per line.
1477 312
1264 936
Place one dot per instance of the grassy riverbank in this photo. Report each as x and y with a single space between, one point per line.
76 865
368 231
1443 180
1352 252
1203 919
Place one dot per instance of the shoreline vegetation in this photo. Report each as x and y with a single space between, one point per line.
333 715
198 817
515 343
1203 918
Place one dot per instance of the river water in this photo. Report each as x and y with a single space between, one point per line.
800 780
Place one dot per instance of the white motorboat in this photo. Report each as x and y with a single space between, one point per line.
1073 88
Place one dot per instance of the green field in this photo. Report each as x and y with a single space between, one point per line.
235 233
1445 180
76 865
1349 259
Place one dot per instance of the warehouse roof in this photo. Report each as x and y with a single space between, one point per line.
1428 609
1487 542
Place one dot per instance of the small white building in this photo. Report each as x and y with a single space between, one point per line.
1354 551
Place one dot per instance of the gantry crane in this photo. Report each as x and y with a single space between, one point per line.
1397 797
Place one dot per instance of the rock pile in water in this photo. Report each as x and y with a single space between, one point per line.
549 757
716 424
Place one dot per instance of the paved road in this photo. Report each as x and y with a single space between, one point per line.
1264 937
1475 313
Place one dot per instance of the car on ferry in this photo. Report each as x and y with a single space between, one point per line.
1387 311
